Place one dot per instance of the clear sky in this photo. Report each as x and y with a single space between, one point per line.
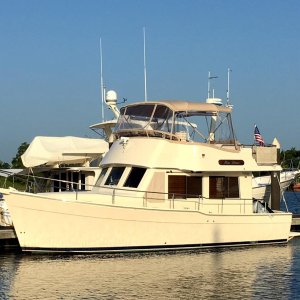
50 62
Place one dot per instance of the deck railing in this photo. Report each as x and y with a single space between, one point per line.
157 200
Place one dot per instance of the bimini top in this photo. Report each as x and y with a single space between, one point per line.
177 120
178 106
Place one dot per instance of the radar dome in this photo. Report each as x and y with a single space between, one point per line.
216 101
111 97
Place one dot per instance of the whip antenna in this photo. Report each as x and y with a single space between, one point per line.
101 81
145 70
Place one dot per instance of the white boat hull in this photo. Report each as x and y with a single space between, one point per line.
261 186
79 226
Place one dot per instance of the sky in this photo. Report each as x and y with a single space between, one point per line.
50 62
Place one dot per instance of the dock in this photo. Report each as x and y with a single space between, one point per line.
8 238
295 222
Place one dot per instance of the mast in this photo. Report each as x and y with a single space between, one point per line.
101 81
145 70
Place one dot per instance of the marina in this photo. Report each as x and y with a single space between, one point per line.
149 150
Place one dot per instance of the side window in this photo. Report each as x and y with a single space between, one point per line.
134 178
102 174
233 187
82 178
182 186
194 186
177 186
223 187
114 176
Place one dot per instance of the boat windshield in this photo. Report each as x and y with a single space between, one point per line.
146 117
189 125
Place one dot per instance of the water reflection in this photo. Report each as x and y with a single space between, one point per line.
266 272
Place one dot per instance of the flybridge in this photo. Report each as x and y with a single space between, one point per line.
177 120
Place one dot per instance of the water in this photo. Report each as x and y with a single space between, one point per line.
293 202
260 272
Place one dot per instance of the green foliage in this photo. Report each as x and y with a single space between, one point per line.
12 182
17 161
4 165
290 158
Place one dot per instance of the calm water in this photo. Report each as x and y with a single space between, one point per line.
262 272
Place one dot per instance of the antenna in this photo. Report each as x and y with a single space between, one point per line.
208 85
228 86
145 70
101 79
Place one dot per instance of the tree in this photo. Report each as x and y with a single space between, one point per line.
290 158
4 165
17 161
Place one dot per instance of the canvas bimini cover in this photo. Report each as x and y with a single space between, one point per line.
51 151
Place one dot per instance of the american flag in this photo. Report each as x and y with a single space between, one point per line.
258 137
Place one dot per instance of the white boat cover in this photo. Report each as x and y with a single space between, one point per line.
52 151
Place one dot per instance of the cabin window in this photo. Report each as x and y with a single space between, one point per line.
56 183
223 187
114 176
82 180
181 186
193 186
75 180
102 174
134 178
63 183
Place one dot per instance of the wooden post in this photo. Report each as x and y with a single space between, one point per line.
275 190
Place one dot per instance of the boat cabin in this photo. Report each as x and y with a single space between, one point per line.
182 152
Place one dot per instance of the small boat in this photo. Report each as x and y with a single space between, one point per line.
175 177
5 218
56 164
262 184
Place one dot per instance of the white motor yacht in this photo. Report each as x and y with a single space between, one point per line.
175 177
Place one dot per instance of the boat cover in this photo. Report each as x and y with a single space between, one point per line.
51 151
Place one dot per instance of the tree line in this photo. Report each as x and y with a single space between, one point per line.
289 158
16 162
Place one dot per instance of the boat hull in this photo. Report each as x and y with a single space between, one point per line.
296 187
261 188
51 225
